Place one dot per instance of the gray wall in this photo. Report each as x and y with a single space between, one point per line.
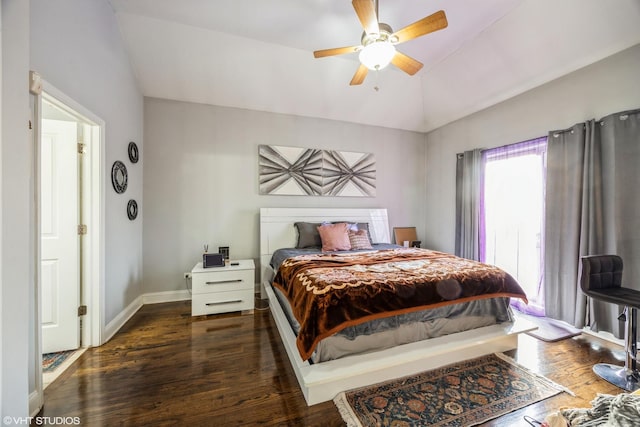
605 87
15 171
76 46
201 179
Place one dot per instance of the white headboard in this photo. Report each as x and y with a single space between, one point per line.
277 230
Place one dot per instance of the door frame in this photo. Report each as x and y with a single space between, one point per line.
93 206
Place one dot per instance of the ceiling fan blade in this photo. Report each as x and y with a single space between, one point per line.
426 25
359 76
335 51
406 63
366 12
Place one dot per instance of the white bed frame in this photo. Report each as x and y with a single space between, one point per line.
321 382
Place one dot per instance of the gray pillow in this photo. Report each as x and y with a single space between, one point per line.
308 236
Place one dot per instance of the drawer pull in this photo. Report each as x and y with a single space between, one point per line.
223 281
223 302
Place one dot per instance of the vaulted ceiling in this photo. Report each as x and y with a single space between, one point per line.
258 54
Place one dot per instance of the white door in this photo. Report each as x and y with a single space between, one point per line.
60 242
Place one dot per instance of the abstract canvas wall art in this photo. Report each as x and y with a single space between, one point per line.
305 171
290 170
348 174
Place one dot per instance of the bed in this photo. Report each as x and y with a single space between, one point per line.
324 373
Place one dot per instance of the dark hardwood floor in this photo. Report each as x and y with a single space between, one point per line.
165 368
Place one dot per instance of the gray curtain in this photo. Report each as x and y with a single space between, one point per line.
468 185
572 217
591 209
621 208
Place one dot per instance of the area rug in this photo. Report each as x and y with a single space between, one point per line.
51 361
465 394
550 330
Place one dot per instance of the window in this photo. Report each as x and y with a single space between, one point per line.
512 215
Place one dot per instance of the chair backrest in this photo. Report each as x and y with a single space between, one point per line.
600 272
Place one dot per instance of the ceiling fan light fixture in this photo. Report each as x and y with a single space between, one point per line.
377 55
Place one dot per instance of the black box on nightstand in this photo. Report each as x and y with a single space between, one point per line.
212 260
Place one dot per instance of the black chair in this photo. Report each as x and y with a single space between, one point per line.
601 279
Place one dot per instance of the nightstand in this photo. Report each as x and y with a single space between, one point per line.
223 289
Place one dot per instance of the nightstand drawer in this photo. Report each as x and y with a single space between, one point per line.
222 302
220 281
223 289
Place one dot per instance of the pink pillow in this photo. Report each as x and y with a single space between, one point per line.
335 237
359 239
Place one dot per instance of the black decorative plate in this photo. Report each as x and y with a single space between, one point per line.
133 152
132 209
119 177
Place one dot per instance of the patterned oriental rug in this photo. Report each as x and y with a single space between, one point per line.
465 394
51 361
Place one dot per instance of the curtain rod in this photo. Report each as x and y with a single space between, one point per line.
622 115
527 141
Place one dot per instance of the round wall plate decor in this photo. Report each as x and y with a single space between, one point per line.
133 152
119 176
132 209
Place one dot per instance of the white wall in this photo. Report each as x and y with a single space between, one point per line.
1 241
602 88
201 179
76 46
16 179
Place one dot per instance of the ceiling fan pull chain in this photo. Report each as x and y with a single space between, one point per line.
376 87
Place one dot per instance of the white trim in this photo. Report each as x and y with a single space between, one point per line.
50 377
151 298
93 206
166 296
1 210
603 335
35 401
94 210
95 244
118 322
36 397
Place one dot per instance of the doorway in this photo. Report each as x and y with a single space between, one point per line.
69 235
512 216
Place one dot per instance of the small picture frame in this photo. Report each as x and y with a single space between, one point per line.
132 210
224 251
133 152
119 177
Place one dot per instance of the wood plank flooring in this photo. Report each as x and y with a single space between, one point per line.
165 368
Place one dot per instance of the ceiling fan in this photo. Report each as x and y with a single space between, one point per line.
377 48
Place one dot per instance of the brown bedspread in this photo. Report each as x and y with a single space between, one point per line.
329 292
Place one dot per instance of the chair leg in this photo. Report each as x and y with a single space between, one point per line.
630 340
627 377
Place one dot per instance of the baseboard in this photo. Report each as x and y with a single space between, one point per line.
167 296
152 298
35 403
606 336
119 321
